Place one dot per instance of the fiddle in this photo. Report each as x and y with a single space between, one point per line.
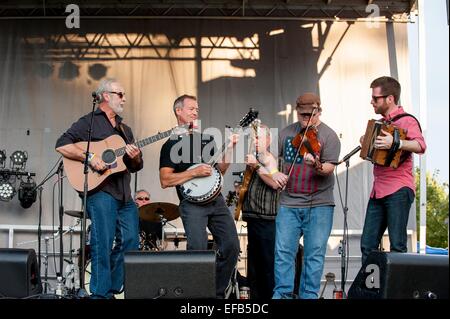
308 142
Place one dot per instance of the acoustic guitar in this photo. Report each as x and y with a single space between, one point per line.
111 150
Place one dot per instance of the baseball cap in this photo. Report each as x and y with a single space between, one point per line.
307 102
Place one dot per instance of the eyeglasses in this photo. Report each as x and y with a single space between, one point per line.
305 114
143 198
119 94
375 98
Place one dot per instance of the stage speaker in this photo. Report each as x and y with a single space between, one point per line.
19 273
170 274
401 276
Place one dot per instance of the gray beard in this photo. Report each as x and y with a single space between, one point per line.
116 108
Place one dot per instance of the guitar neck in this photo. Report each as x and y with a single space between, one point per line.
216 158
146 141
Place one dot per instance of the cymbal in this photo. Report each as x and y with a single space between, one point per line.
154 212
74 213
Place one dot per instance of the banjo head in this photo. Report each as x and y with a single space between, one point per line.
202 189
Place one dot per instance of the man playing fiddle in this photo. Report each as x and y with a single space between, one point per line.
306 202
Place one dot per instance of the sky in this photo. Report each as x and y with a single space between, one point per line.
437 57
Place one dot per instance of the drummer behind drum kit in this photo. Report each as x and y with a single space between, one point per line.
154 217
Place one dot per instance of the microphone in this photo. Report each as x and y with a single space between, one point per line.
95 96
353 152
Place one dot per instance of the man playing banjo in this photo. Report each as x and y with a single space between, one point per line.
181 161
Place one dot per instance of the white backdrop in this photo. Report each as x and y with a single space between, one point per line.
47 74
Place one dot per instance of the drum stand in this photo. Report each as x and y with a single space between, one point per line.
45 282
176 241
233 286
72 281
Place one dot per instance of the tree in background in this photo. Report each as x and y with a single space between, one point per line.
437 210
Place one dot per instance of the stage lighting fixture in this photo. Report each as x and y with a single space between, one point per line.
2 158
7 191
27 193
19 159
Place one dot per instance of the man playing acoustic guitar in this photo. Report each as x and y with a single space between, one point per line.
113 213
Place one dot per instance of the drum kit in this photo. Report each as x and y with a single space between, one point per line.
153 218
157 214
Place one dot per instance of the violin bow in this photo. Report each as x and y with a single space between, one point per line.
301 144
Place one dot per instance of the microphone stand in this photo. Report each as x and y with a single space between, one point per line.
82 293
60 173
344 241
39 230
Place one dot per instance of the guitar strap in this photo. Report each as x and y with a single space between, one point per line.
127 140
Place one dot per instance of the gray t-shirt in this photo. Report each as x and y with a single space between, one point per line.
305 187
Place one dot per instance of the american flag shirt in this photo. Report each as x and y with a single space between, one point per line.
305 187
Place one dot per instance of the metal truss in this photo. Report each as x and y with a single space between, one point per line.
126 46
210 9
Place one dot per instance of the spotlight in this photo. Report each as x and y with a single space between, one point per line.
2 158
27 193
7 191
19 159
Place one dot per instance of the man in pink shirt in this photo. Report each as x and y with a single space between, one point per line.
393 189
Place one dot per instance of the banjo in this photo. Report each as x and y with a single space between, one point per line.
202 190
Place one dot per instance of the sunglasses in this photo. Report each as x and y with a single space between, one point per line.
119 94
375 98
143 198
305 114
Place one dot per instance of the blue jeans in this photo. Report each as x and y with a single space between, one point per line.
113 223
389 212
216 216
314 223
